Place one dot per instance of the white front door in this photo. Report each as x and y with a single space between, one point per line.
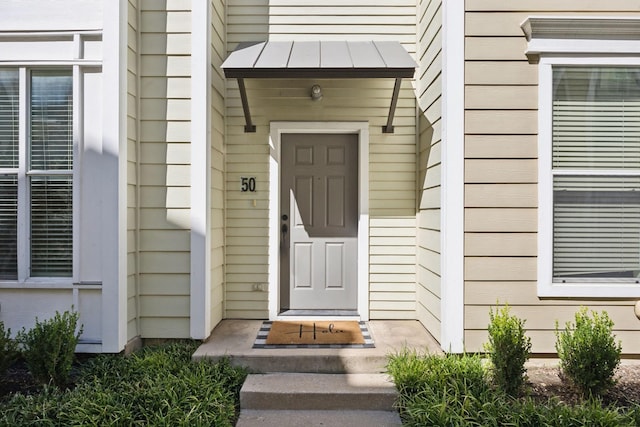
319 221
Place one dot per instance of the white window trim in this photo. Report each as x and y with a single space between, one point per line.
23 173
587 35
103 47
568 53
60 50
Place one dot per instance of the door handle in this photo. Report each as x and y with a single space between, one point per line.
284 230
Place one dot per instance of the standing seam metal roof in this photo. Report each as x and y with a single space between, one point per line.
326 59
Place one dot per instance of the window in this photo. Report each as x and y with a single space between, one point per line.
588 155
36 173
595 164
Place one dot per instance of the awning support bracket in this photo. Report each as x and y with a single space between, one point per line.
249 126
388 128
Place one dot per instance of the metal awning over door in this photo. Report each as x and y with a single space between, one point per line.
319 59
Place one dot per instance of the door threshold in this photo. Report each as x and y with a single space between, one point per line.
318 314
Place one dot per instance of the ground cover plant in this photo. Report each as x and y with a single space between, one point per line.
456 390
158 385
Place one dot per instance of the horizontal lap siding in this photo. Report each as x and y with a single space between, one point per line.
132 169
429 93
501 175
218 53
392 156
165 152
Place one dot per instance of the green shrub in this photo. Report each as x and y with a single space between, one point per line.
415 373
451 391
156 386
588 352
49 347
8 349
438 390
508 349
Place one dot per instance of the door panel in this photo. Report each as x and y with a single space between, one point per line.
336 192
319 216
302 254
334 270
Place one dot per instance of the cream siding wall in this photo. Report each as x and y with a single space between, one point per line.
218 54
501 175
429 94
392 176
164 162
132 170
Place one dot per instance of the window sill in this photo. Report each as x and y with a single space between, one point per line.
604 290
47 283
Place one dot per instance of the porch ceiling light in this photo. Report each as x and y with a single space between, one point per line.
316 92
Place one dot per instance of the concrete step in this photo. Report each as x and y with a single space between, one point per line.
265 418
324 361
296 391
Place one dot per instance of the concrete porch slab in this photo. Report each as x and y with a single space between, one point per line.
235 338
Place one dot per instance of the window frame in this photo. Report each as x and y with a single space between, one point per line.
24 173
546 285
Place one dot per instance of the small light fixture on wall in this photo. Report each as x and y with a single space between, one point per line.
316 93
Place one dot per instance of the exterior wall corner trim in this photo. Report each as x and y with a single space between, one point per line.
200 292
114 230
452 190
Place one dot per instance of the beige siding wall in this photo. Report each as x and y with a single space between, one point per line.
218 53
429 94
392 195
164 162
132 170
501 175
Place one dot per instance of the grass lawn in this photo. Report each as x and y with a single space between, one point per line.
454 390
155 386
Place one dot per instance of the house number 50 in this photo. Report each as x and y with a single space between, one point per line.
248 184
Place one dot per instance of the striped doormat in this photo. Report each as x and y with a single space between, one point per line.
313 334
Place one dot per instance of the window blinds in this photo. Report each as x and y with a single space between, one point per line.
51 164
9 91
596 157
51 121
51 226
8 227
9 119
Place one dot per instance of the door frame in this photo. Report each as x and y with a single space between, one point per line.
275 138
